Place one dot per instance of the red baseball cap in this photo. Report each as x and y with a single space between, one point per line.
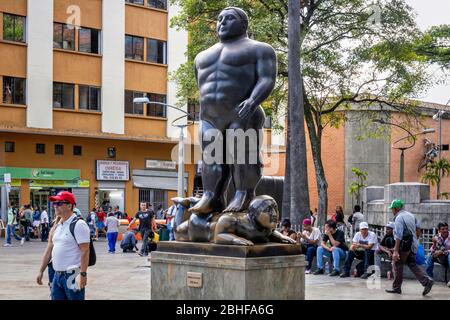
63 196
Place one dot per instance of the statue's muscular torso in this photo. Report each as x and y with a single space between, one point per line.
226 75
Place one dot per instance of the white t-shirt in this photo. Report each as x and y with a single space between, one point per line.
112 223
93 216
370 239
44 217
313 235
66 253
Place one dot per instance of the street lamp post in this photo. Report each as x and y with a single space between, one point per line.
180 186
402 149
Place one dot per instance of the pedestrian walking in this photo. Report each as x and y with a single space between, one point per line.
406 232
45 224
68 250
26 220
146 226
11 227
101 216
112 227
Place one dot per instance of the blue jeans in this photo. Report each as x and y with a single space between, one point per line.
112 239
430 263
60 291
338 255
11 230
310 250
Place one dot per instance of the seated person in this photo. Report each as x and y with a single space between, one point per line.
337 249
440 250
128 243
286 229
310 240
386 246
363 248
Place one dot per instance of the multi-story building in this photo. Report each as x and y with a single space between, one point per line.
69 71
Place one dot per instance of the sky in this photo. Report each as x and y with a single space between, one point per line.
429 13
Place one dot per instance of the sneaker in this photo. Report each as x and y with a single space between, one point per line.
22 241
334 273
344 275
365 276
308 271
318 271
428 287
9 245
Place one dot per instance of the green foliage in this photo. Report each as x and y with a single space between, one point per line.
356 186
435 171
434 46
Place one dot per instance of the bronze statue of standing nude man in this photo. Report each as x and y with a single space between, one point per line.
234 77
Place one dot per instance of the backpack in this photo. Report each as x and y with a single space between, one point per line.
92 255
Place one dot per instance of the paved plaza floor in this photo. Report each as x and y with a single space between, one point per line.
127 276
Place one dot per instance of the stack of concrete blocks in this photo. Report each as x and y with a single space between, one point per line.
416 197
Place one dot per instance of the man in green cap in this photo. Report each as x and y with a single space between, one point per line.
406 232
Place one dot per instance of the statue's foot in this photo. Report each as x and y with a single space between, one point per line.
205 205
240 201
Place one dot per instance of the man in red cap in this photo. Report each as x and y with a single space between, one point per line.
69 252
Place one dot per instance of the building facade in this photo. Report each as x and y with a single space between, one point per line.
70 70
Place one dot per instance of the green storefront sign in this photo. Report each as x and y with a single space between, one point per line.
41 174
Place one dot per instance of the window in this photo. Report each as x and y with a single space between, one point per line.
89 40
40 148
141 2
134 48
63 36
133 108
13 28
63 94
77 150
155 197
156 110
159 4
59 149
90 98
156 51
14 90
10 146
194 111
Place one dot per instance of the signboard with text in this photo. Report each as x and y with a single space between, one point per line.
113 170
160 164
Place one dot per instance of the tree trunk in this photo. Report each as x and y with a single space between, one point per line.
286 206
315 138
297 157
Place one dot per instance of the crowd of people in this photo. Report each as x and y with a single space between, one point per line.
399 246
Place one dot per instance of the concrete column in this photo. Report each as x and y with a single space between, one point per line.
113 66
39 87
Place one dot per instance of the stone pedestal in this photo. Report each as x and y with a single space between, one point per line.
198 271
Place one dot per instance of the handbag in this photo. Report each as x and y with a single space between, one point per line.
407 239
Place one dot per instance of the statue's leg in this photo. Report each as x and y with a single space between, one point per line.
244 151
214 170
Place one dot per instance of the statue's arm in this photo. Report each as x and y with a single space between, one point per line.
266 70
276 236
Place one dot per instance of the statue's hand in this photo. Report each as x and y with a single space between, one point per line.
246 109
289 240
243 242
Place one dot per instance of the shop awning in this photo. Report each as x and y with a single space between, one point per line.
154 179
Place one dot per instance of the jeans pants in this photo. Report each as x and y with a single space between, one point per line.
367 256
409 259
112 239
60 291
145 233
444 260
338 254
310 251
11 230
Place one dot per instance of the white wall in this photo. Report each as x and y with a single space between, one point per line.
177 47
113 66
39 89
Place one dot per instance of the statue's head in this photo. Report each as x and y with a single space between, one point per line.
264 211
232 23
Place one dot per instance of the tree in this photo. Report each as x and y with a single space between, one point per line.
356 186
353 52
296 186
434 173
434 46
